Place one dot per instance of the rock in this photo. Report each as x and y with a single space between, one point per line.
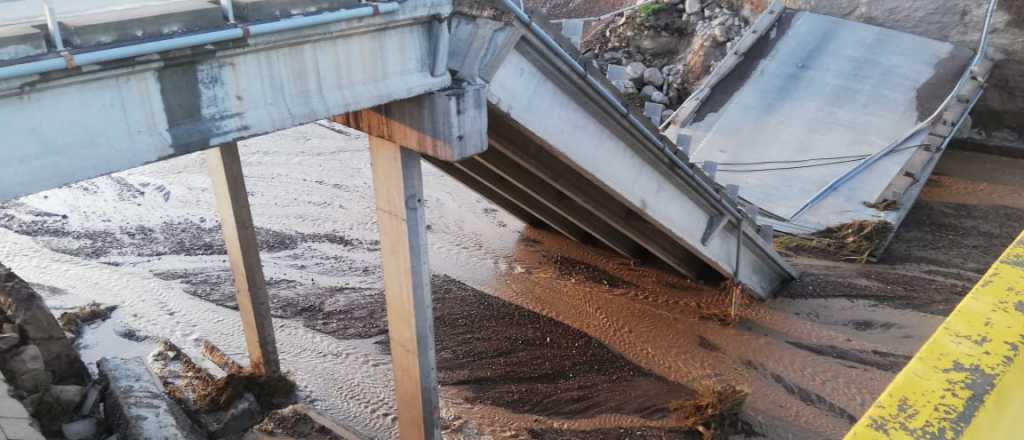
693 6
626 87
68 395
81 430
38 327
648 91
659 98
635 71
24 360
721 34
92 396
8 341
653 76
33 381
243 414
135 404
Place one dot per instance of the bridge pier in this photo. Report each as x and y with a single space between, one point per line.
244 256
398 188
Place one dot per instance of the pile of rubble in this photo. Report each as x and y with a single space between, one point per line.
170 396
42 368
657 53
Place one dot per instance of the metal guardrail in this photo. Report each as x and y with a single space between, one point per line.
967 380
68 60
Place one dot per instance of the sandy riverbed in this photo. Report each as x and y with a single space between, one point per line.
538 336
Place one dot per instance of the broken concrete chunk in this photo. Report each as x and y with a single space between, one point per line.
140 23
243 414
26 308
8 341
18 41
24 360
68 395
259 10
92 396
80 430
136 406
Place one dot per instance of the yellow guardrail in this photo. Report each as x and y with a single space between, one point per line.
967 381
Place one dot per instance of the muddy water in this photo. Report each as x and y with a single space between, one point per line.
148 240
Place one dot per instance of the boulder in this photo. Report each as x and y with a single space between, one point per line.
69 396
694 6
24 360
38 327
653 76
9 341
81 429
660 98
635 71
244 413
648 91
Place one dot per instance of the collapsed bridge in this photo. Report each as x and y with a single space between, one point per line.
479 89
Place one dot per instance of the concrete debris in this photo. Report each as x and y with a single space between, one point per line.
635 71
243 414
670 49
136 406
25 366
92 397
69 396
654 77
22 306
84 429
693 7
9 341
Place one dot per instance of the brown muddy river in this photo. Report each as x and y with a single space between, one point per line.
538 336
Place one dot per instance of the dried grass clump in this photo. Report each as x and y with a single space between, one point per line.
218 394
711 410
854 241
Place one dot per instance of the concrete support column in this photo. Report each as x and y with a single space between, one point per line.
244 255
398 187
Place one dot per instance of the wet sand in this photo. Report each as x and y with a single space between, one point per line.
538 336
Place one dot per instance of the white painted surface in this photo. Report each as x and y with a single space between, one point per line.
68 130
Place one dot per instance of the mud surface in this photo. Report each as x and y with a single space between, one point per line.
514 358
537 335
967 215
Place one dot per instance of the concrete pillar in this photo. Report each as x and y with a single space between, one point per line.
244 255
398 187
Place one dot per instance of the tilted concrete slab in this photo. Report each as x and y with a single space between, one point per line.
820 120
565 131
21 40
125 25
137 407
66 126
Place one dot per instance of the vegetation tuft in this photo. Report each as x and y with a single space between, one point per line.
855 241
